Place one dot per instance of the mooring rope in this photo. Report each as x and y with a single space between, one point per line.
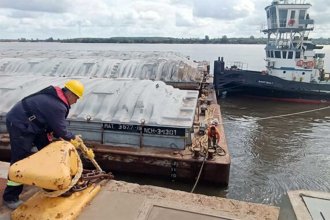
200 172
283 115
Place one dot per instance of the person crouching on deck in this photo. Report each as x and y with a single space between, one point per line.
213 135
30 123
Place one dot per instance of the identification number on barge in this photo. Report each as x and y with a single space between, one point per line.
166 131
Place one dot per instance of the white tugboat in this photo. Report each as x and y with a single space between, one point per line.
295 72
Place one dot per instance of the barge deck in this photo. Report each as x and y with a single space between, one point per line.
174 164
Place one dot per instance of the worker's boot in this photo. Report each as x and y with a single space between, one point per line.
12 204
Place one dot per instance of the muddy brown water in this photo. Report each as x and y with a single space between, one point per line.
269 156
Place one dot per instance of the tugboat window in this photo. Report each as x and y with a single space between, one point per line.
277 54
283 14
297 55
273 17
290 55
293 15
271 53
302 14
284 54
303 73
284 72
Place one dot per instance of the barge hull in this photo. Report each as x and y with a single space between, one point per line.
156 163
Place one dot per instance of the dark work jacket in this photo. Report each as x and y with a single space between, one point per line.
50 108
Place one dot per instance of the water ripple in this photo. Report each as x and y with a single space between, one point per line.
273 156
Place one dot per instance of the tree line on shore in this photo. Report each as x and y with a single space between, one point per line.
163 40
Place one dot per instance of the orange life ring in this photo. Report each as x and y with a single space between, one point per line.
310 64
291 22
300 63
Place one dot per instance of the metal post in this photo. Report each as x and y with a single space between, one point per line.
141 132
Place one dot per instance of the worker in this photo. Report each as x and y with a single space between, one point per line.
213 135
30 123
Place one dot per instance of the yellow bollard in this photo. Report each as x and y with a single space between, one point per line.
51 168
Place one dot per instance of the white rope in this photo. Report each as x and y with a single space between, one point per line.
284 115
199 173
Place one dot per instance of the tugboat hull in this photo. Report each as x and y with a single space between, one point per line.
231 82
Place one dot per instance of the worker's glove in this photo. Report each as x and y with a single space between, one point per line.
90 154
79 144
76 141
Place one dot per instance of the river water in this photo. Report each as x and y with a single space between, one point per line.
270 155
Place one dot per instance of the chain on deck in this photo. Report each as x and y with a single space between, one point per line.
88 178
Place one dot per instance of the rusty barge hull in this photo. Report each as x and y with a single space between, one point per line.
166 164
172 165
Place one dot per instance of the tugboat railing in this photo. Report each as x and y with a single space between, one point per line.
290 2
237 65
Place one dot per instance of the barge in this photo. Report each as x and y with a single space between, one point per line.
136 125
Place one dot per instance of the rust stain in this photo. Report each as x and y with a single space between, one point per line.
71 151
59 215
60 186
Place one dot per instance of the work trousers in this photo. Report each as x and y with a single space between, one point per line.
212 142
21 144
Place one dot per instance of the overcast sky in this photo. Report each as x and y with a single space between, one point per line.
131 18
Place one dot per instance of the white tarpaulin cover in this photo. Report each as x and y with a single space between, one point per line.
164 66
112 100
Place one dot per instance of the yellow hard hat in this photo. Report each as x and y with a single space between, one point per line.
75 87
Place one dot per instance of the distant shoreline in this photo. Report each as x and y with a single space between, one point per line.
162 40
